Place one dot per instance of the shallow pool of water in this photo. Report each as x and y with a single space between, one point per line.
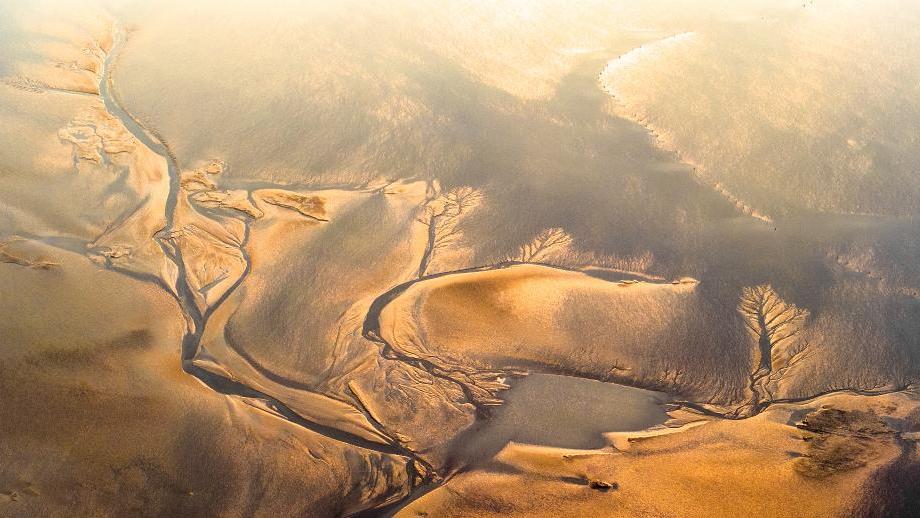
561 411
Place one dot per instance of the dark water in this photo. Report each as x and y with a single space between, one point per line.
562 411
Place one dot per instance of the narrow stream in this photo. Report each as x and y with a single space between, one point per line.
541 409
192 338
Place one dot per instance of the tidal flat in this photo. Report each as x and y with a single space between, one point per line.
455 258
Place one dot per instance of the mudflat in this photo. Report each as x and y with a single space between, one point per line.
456 258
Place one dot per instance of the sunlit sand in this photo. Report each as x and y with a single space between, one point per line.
454 258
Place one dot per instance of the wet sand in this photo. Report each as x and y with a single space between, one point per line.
483 273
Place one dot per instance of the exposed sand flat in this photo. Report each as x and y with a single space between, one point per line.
65 57
98 179
211 255
536 317
73 387
126 182
443 217
113 189
722 468
211 226
237 200
556 247
102 147
331 405
310 405
22 252
435 270
286 234
622 440
346 386
208 242
204 231
476 327
546 461
308 206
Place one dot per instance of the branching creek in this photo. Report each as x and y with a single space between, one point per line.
197 319
422 476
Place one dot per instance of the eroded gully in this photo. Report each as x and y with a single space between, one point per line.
182 293
197 319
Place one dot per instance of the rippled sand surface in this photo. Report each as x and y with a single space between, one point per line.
458 258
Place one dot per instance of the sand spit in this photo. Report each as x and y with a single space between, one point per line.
19 251
308 206
556 247
477 326
622 440
550 462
